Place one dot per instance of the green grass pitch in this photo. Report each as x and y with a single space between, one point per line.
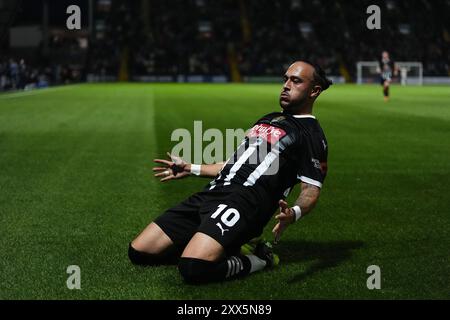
76 186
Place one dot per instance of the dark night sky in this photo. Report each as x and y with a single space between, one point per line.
31 12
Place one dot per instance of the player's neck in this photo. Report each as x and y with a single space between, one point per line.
304 110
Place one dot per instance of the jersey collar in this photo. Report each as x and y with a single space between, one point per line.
301 116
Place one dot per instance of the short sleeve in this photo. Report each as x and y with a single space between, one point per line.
313 162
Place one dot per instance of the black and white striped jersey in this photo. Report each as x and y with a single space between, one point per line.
387 68
279 151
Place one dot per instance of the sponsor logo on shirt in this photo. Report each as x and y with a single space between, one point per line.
316 163
269 133
322 166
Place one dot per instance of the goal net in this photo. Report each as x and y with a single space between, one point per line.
409 73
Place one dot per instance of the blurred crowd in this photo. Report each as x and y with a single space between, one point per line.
17 74
197 36
194 37
255 37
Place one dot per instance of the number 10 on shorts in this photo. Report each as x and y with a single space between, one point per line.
228 218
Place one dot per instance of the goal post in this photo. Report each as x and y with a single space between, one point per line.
409 72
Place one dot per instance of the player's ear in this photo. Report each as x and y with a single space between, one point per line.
316 90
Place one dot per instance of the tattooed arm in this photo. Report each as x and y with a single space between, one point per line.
308 198
306 201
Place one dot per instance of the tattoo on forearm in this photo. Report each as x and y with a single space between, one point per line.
308 197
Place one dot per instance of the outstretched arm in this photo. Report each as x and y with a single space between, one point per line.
177 168
207 170
306 201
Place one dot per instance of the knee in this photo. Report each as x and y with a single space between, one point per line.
195 271
141 258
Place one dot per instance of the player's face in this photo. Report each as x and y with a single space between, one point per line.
298 86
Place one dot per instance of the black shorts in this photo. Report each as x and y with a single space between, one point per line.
231 215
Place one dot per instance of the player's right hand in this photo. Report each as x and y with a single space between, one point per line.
176 168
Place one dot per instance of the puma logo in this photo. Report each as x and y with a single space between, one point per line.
221 229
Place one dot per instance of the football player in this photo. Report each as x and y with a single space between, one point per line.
204 233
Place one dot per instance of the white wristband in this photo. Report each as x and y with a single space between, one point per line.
298 212
196 169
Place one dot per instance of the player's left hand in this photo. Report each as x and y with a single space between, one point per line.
285 218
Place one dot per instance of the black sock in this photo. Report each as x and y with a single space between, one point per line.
386 91
170 256
202 271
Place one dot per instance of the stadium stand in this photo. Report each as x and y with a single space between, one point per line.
131 40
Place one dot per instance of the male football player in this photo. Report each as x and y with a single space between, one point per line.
386 70
209 228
